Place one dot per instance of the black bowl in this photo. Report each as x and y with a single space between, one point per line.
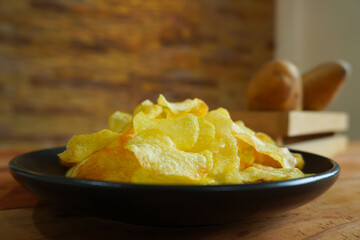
170 205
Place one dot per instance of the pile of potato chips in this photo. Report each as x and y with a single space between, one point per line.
178 143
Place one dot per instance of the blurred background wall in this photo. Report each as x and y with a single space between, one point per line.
65 65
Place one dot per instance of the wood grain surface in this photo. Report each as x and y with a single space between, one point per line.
66 65
334 215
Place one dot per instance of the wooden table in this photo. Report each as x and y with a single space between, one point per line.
334 215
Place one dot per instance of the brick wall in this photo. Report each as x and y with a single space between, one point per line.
65 65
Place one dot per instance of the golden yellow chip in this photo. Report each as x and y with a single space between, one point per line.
269 154
265 153
239 127
108 164
183 131
223 111
195 106
156 152
299 160
145 176
265 138
206 139
122 140
222 121
150 109
81 146
226 160
246 154
253 174
118 120
143 107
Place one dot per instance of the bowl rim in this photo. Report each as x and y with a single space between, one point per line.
17 169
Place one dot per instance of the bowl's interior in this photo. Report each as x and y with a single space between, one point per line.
43 162
316 164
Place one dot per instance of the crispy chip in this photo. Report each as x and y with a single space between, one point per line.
108 164
246 154
259 173
239 127
265 138
253 174
183 131
265 153
81 146
226 160
150 109
221 121
145 176
118 120
195 106
224 112
157 152
269 154
299 160
206 139
143 107
122 140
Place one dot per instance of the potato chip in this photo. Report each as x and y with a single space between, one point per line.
299 160
259 173
266 153
157 152
262 167
118 120
222 121
265 138
81 146
107 164
195 106
269 154
266 159
226 160
246 154
183 131
253 174
122 140
224 112
239 127
206 139
143 107
145 176
150 109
